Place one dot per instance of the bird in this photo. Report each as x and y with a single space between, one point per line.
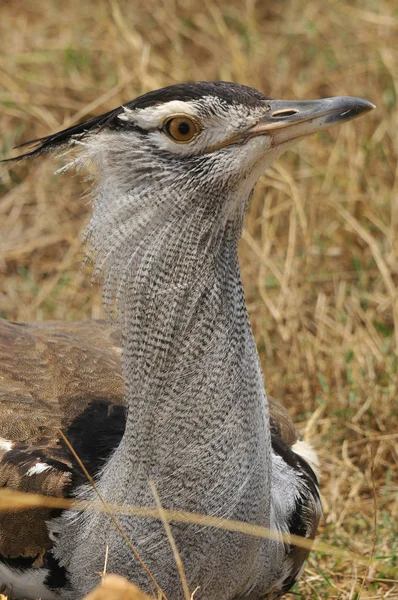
170 389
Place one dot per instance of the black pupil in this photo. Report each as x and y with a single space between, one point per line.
184 128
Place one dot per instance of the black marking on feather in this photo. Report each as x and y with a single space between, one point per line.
230 93
20 562
303 520
57 576
96 433
296 462
289 582
25 458
298 524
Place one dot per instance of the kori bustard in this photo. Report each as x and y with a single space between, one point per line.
183 404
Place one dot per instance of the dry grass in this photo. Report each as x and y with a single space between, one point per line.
319 254
115 587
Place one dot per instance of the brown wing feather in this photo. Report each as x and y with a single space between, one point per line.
24 533
49 374
281 423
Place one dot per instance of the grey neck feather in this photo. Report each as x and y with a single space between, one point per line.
170 261
197 411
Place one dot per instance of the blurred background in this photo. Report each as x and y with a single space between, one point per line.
319 250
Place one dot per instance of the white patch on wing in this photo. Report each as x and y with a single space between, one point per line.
26 584
5 445
307 452
38 468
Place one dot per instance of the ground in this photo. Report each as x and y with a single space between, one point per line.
319 250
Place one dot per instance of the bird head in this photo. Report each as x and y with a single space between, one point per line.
181 161
211 137
217 120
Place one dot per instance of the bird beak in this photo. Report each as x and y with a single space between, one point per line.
288 120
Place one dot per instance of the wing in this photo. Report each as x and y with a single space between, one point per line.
51 371
53 376
296 502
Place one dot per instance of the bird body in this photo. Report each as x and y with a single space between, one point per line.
175 171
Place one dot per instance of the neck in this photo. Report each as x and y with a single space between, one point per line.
181 351
197 412
190 362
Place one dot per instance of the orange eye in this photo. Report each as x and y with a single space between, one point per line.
181 129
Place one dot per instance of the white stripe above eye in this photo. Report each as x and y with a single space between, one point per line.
154 116
38 468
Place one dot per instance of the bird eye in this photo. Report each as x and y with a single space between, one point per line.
181 129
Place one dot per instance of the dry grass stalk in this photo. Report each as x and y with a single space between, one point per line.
12 500
114 587
173 545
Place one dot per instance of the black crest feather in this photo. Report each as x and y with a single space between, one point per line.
54 140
